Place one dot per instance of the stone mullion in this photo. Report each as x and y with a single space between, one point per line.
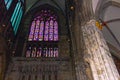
52 76
39 77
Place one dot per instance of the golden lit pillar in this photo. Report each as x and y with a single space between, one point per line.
97 54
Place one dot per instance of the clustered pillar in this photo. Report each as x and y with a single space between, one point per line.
97 54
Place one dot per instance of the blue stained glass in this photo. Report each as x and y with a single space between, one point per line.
18 20
14 15
22 1
8 3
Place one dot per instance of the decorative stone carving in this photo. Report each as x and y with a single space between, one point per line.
97 53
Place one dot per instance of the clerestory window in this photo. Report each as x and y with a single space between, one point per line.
43 35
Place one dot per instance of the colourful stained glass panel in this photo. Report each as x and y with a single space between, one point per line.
51 31
16 16
41 30
36 33
46 31
8 3
42 52
55 31
45 27
31 34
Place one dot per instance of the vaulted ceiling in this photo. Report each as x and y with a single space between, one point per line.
109 12
33 6
59 4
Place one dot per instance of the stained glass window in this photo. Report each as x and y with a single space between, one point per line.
43 30
42 52
16 16
44 27
8 3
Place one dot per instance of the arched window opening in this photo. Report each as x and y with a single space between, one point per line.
43 32
17 16
44 27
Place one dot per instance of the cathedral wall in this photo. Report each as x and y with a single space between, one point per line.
64 48
2 57
54 69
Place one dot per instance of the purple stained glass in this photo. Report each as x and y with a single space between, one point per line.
28 52
46 31
42 52
55 52
46 52
31 34
39 52
51 52
33 52
36 30
44 27
55 31
41 30
51 31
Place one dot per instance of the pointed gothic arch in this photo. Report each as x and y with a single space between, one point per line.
43 35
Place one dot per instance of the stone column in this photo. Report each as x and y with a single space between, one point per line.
97 54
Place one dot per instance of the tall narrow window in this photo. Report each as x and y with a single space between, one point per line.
44 32
16 16
44 27
8 3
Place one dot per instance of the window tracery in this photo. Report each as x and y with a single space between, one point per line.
43 30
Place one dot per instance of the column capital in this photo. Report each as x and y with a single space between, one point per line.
92 21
